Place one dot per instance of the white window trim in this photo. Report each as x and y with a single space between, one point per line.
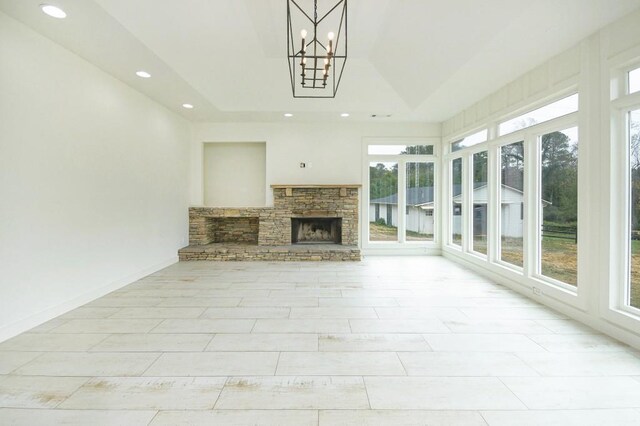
401 245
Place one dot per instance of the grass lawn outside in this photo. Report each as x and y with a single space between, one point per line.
378 232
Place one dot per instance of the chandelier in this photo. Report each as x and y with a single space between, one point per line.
316 47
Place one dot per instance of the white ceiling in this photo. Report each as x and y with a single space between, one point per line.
419 60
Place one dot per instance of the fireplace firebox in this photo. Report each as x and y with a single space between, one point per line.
316 230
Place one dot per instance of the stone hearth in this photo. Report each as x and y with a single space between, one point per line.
266 233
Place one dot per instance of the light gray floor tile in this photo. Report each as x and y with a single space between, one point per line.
107 326
215 364
302 326
9 361
448 314
283 302
300 393
553 393
204 302
264 342
37 392
158 312
482 343
52 342
399 418
146 393
120 302
440 393
333 312
578 343
321 292
90 312
398 326
372 342
241 312
237 418
582 363
40 417
88 364
172 326
154 343
566 326
49 325
357 301
496 326
563 418
522 313
473 364
339 364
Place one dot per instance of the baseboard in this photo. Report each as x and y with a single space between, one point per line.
35 320
597 323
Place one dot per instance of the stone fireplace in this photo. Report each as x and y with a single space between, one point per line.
306 222
316 230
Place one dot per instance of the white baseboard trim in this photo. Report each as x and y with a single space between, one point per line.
596 323
35 320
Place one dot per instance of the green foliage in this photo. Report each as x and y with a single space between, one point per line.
381 221
560 178
383 180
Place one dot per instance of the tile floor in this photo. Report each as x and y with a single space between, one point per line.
388 341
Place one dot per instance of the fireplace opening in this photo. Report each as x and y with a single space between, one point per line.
316 230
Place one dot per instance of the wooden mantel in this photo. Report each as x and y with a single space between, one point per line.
288 189
329 185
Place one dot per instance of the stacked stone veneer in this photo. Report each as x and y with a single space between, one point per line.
270 227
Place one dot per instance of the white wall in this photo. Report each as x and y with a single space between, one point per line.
586 67
93 181
234 174
333 149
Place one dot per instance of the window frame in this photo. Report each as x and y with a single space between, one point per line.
401 244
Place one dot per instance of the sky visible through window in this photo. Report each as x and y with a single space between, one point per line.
470 140
548 112
400 149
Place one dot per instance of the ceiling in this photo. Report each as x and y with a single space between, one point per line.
418 60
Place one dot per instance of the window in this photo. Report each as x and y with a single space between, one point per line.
558 203
419 199
400 150
471 140
633 134
480 198
456 202
383 191
548 112
634 80
511 200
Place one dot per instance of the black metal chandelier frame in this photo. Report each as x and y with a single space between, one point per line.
309 71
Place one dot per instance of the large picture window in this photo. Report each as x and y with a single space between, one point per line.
480 202
383 200
419 201
633 135
558 203
456 202
512 203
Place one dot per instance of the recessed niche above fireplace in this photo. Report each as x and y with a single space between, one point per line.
316 230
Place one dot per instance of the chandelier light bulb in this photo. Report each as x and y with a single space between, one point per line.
303 34
331 35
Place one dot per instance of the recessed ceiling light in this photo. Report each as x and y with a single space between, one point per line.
187 106
288 114
53 11
344 114
143 74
